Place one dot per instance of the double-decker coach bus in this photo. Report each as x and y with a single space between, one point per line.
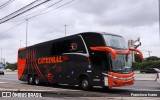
86 59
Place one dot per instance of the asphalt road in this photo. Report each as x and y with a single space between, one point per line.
10 82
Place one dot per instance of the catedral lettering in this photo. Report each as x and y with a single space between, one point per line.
86 59
49 60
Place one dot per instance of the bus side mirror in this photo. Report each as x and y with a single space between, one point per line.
136 50
106 49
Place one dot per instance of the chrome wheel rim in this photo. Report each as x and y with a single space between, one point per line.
85 84
30 80
37 80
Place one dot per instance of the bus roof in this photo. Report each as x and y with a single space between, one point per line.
102 33
67 37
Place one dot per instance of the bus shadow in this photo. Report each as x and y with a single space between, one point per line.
77 88
94 92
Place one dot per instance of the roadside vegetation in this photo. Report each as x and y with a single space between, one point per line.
12 66
150 62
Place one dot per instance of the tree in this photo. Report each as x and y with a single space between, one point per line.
152 58
150 62
12 66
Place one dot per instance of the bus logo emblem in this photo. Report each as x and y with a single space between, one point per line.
73 46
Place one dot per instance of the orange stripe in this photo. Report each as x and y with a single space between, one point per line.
37 66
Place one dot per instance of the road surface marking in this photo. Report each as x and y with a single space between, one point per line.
8 79
3 82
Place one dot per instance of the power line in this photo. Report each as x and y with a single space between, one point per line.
2 33
23 10
6 3
120 12
38 12
52 9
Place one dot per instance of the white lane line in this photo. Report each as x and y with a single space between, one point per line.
3 82
2 89
8 79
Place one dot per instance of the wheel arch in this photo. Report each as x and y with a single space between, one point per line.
84 75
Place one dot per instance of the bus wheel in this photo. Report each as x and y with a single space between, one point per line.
30 79
85 85
36 80
106 88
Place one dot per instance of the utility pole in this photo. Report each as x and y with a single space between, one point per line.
132 44
149 53
65 27
1 55
4 62
159 18
20 43
26 30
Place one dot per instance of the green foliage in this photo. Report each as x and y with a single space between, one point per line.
12 66
152 58
150 62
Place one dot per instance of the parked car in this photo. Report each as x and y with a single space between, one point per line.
150 70
1 69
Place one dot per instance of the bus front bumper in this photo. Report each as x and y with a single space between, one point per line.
115 80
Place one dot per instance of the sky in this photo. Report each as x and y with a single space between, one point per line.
129 18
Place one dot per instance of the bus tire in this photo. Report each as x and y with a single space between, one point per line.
37 80
30 80
85 84
106 88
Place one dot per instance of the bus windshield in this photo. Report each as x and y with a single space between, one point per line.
122 63
115 41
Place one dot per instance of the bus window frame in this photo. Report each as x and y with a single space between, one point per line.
21 54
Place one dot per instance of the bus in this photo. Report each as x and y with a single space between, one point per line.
86 59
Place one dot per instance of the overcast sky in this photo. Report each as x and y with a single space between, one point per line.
129 18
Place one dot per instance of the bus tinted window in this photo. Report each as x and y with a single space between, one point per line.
21 54
62 47
69 46
77 45
91 40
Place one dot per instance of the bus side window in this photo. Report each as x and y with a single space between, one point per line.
60 47
77 45
53 50
101 60
21 54
68 46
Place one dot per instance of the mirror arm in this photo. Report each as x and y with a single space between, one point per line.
106 49
136 50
